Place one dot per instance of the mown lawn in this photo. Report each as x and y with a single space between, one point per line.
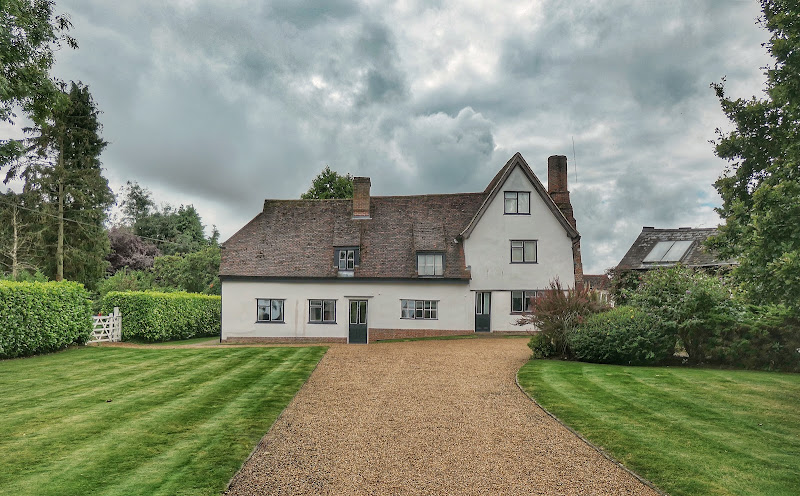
117 421
689 431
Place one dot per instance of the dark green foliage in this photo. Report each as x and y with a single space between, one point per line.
623 336
126 280
556 311
541 346
181 227
766 338
64 169
20 234
328 185
195 272
38 317
692 306
29 36
760 189
623 283
150 316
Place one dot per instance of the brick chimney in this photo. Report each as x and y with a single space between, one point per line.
361 197
557 189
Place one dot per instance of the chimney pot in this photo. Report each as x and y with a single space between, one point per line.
361 187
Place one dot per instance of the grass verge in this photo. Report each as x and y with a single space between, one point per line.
689 431
114 421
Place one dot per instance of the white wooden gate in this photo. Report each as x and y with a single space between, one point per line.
107 328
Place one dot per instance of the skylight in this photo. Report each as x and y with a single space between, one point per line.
668 251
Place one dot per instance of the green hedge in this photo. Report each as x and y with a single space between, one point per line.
40 317
151 316
623 336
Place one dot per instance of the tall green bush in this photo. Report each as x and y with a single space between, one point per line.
764 337
150 316
624 336
693 305
40 317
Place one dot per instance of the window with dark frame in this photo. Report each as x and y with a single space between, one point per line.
269 310
430 264
322 311
523 251
419 309
346 258
521 301
517 202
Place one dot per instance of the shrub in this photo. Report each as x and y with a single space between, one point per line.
150 316
40 317
541 345
623 335
556 311
692 305
765 337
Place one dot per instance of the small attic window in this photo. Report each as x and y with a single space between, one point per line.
346 258
517 202
668 251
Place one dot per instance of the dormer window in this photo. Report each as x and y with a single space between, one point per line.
517 202
346 258
430 264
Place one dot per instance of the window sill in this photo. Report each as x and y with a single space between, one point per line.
270 322
522 263
409 318
323 323
516 213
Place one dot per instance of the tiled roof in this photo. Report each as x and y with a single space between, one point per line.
695 256
597 282
296 238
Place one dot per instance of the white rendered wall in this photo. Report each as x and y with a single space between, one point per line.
488 248
456 311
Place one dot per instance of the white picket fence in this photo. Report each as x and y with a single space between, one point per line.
107 328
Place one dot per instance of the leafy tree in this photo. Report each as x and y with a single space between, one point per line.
329 184
195 272
20 235
760 189
181 228
137 205
129 250
65 170
29 35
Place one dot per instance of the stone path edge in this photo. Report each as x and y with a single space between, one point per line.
260 441
600 450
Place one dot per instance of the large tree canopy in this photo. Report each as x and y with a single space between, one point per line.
329 184
760 189
29 35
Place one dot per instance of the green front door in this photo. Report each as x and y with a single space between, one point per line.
483 309
358 321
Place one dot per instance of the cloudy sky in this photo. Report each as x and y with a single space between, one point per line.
223 104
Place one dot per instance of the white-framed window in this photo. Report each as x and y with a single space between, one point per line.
322 311
419 309
523 251
346 258
269 310
521 301
430 264
517 202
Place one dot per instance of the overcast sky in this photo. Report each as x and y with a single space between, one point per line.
223 104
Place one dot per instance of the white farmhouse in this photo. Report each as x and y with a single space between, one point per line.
386 267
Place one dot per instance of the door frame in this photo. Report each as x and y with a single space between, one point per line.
350 301
481 303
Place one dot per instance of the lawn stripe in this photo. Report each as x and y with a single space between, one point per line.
104 390
169 412
680 406
140 480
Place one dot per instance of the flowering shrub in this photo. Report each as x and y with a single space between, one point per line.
624 336
556 311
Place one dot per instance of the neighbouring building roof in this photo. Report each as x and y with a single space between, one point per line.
298 238
667 247
597 282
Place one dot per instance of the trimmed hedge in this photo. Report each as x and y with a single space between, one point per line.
623 336
41 317
151 316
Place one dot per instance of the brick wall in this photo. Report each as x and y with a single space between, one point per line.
379 334
284 340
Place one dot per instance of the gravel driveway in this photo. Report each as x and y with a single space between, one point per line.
425 417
